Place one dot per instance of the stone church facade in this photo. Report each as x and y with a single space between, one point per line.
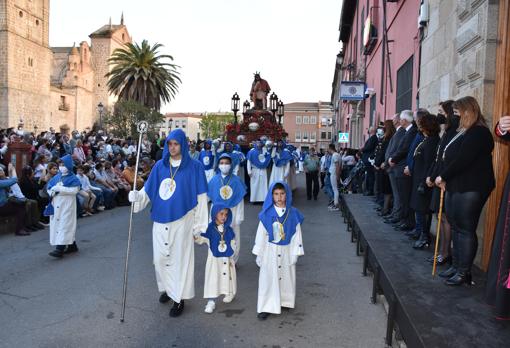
51 86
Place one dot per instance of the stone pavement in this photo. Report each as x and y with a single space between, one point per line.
75 302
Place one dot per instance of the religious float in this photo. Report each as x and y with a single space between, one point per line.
257 121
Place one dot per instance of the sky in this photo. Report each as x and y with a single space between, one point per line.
219 44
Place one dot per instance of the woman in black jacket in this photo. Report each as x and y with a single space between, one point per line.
468 177
421 194
450 121
383 181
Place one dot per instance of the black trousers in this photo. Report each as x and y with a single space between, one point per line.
463 211
404 186
312 184
18 210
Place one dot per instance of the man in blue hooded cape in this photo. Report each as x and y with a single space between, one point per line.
206 157
62 189
281 163
278 245
177 189
258 160
227 189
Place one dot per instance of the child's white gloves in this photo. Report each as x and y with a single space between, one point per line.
135 196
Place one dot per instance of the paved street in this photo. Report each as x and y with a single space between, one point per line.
75 302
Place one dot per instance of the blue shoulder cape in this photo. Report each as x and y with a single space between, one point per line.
238 187
214 236
253 157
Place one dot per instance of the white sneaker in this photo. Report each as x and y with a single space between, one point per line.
334 209
101 208
228 298
209 308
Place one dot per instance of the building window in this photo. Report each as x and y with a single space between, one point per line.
298 119
63 105
30 61
183 124
306 120
313 119
324 135
298 136
36 22
329 135
405 86
305 136
313 137
21 14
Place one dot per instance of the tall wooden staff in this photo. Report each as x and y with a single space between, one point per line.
438 230
142 128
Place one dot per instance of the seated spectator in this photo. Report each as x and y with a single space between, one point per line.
30 188
119 182
108 193
9 208
129 174
146 166
86 196
79 153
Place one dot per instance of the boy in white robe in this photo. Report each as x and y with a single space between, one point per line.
220 270
177 189
278 245
281 163
258 160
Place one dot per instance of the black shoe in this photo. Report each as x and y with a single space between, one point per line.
404 227
263 316
164 298
31 228
459 278
72 248
22 233
391 221
177 309
57 253
448 273
441 260
421 244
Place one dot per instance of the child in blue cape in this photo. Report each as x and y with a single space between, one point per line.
220 270
278 245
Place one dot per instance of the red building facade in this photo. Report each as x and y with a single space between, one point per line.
381 47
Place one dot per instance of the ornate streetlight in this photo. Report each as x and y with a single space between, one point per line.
273 105
100 109
246 106
281 111
235 106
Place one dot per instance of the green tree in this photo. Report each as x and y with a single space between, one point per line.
213 125
127 113
142 74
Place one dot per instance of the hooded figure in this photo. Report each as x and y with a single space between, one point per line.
206 157
220 271
62 189
227 189
177 189
281 163
257 164
278 245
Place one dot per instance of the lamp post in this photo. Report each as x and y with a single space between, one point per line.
273 105
246 106
235 106
170 122
281 111
100 109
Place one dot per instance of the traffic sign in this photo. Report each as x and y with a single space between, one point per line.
343 138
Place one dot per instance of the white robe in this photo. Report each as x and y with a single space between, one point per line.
63 221
258 183
174 257
279 173
220 273
209 174
277 276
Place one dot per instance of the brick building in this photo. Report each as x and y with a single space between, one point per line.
50 86
309 124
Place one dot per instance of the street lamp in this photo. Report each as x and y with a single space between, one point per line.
273 105
340 59
281 111
246 106
100 109
170 122
235 106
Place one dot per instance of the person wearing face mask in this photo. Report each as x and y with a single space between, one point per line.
281 163
62 189
227 189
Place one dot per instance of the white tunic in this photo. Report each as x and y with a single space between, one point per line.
277 276
258 183
63 221
209 174
279 173
174 258
220 273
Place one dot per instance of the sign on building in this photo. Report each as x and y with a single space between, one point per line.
343 138
352 90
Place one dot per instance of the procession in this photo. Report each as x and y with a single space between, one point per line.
204 174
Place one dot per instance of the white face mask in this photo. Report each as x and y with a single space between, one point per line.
63 170
224 168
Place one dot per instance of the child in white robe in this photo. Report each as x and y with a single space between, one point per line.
220 271
278 245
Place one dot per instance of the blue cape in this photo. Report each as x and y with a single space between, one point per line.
253 157
69 180
206 153
213 235
284 157
190 182
268 215
238 187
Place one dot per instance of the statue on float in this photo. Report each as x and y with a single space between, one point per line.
259 91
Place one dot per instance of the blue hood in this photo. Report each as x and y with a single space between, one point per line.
179 136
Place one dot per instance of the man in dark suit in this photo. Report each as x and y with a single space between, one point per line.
367 152
394 217
397 160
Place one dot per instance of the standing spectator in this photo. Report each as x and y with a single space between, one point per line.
8 208
312 166
468 177
367 152
334 172
380 166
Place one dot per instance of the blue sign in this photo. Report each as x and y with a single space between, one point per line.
343 138
352 90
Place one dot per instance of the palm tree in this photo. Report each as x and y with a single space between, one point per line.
141 74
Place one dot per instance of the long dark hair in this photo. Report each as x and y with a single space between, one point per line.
447 106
